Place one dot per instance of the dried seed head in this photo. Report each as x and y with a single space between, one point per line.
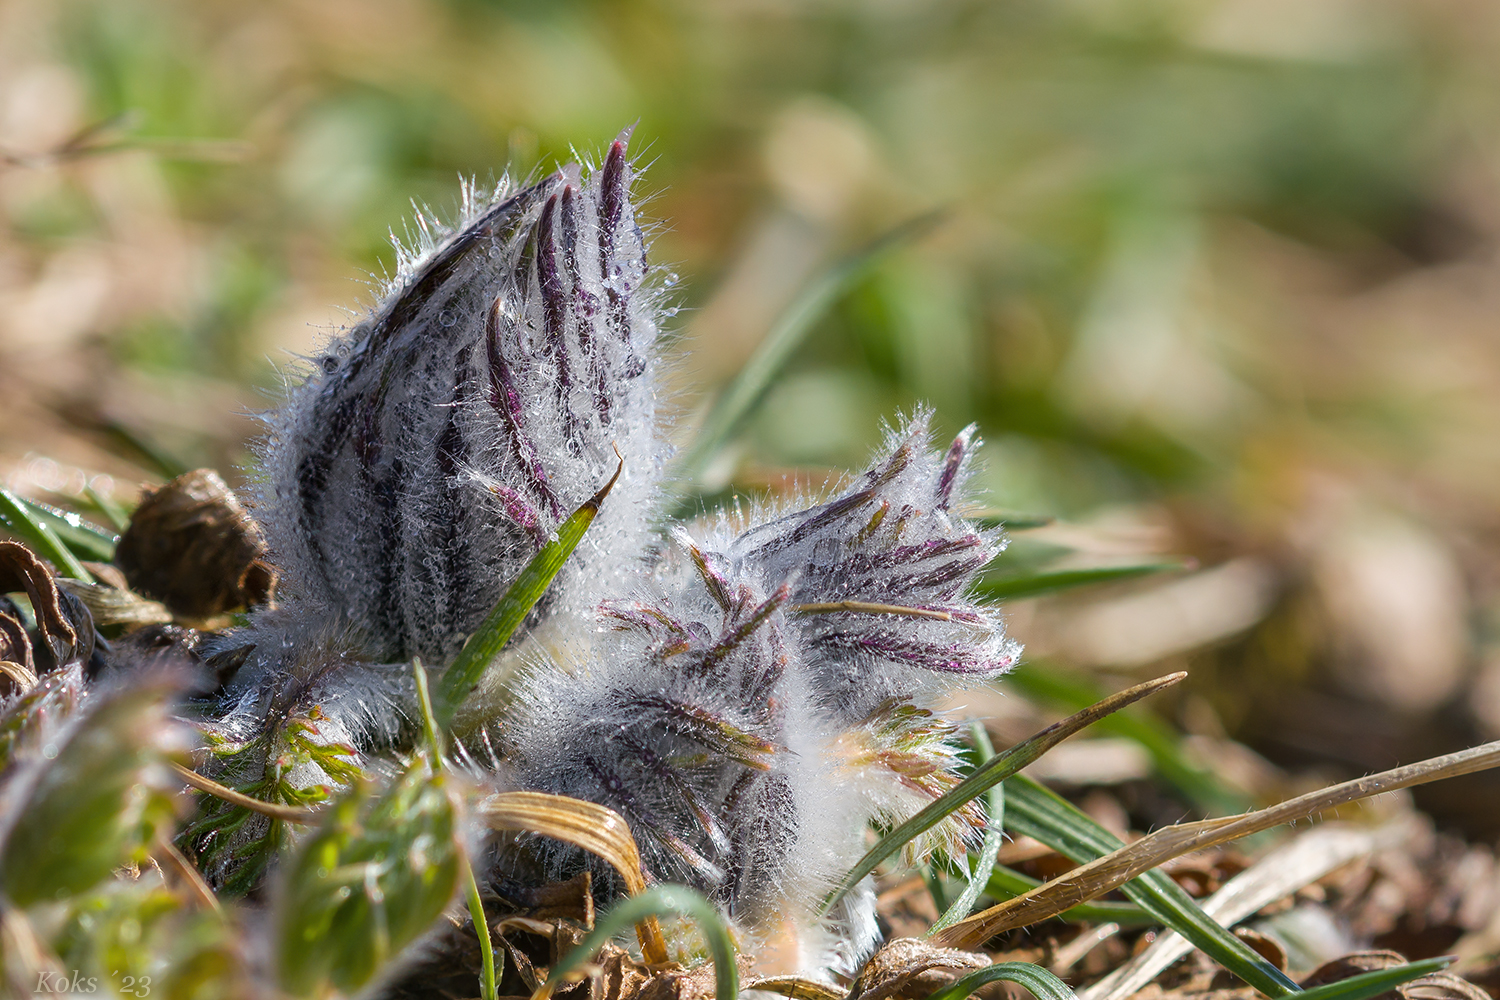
191 545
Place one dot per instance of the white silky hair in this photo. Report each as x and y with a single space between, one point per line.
737 691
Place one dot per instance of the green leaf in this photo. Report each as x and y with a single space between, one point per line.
994 834
1042 984
136 933
737 401
1053 684
367 884
661 900
263 768
94 800
513 607
85 539
987 776
1010 520
1036 812
25 523
110 508
1372 984
1012 587
488 978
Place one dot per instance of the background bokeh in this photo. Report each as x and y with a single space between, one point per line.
1216 278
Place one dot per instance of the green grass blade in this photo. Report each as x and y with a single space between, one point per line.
1006 883
1372 984
87 541
489 979
1146 855
987 776
513 607
118 515
1036 812
1045 682
747 388
140 449
431 730
1042 984
22 522
934 880
1010 520
661 900
994 834
1012 587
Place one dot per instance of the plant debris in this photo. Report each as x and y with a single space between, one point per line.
192 545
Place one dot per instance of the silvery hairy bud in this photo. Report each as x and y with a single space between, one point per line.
432 449
768 691
438 443
750 692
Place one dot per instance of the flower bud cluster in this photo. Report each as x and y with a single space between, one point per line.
750 693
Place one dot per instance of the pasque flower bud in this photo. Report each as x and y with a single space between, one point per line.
750 692
767 692
429 452
433 448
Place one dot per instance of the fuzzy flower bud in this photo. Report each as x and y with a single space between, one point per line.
432 449
772 692
436 445
750 693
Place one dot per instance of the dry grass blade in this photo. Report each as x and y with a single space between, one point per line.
171 858
796 988
1273 877
111 606
594 828
19 678
1113 870
290 814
